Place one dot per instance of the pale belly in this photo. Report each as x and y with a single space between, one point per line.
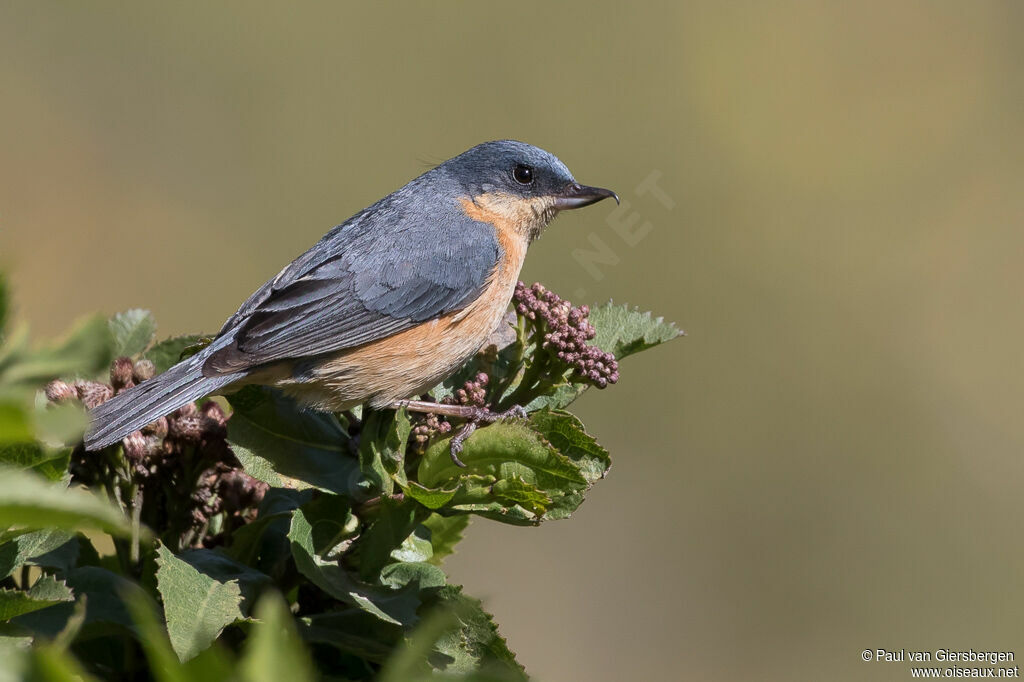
401 366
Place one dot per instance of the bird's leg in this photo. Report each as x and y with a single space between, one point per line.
473 415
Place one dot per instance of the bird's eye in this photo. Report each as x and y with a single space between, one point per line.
523 174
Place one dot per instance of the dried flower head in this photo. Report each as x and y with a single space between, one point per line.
143 371
121 371
58 391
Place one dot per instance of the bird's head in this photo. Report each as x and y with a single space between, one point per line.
518 186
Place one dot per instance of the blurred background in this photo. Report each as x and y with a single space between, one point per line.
828 197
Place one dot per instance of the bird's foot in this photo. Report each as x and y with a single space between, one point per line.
481 415
474 416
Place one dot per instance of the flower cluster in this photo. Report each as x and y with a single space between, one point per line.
473 392
183 456
564 331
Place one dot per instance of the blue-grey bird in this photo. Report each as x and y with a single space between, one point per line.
387 304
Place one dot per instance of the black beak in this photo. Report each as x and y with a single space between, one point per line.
578 196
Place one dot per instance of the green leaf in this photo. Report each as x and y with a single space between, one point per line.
60 423
103 591
415 548
168 352
496 450
457 638
392 606
445 533
45 593
222 568
529 496
567 434
132 331
20 547
212 665
50 463
273 651
86 351
286 446
24 456
51 423
28 501
197 606
52 664
353 631
431 498
623 330
154 639
393 522
382 447
15 423
512 474
476 645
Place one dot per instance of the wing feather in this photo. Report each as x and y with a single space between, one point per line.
380 273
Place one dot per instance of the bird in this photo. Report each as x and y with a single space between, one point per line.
387 304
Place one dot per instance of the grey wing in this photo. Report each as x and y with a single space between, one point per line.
361 284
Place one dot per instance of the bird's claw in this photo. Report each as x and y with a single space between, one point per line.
481 415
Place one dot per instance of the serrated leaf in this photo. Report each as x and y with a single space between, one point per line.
458 638
566 433
476 644
132 331
512 474
526 495
277 440
103 591
224 569
20 547
623 330
212 665
499 450
197 607
45 593
28 501
168 352
392 606
445 533
273 651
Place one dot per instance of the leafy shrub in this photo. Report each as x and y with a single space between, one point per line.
255 540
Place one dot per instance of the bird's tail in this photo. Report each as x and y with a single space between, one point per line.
152 399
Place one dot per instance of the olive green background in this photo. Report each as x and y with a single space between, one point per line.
829 462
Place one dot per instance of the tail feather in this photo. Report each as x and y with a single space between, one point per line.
150 400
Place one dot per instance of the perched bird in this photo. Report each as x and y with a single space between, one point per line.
387 304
